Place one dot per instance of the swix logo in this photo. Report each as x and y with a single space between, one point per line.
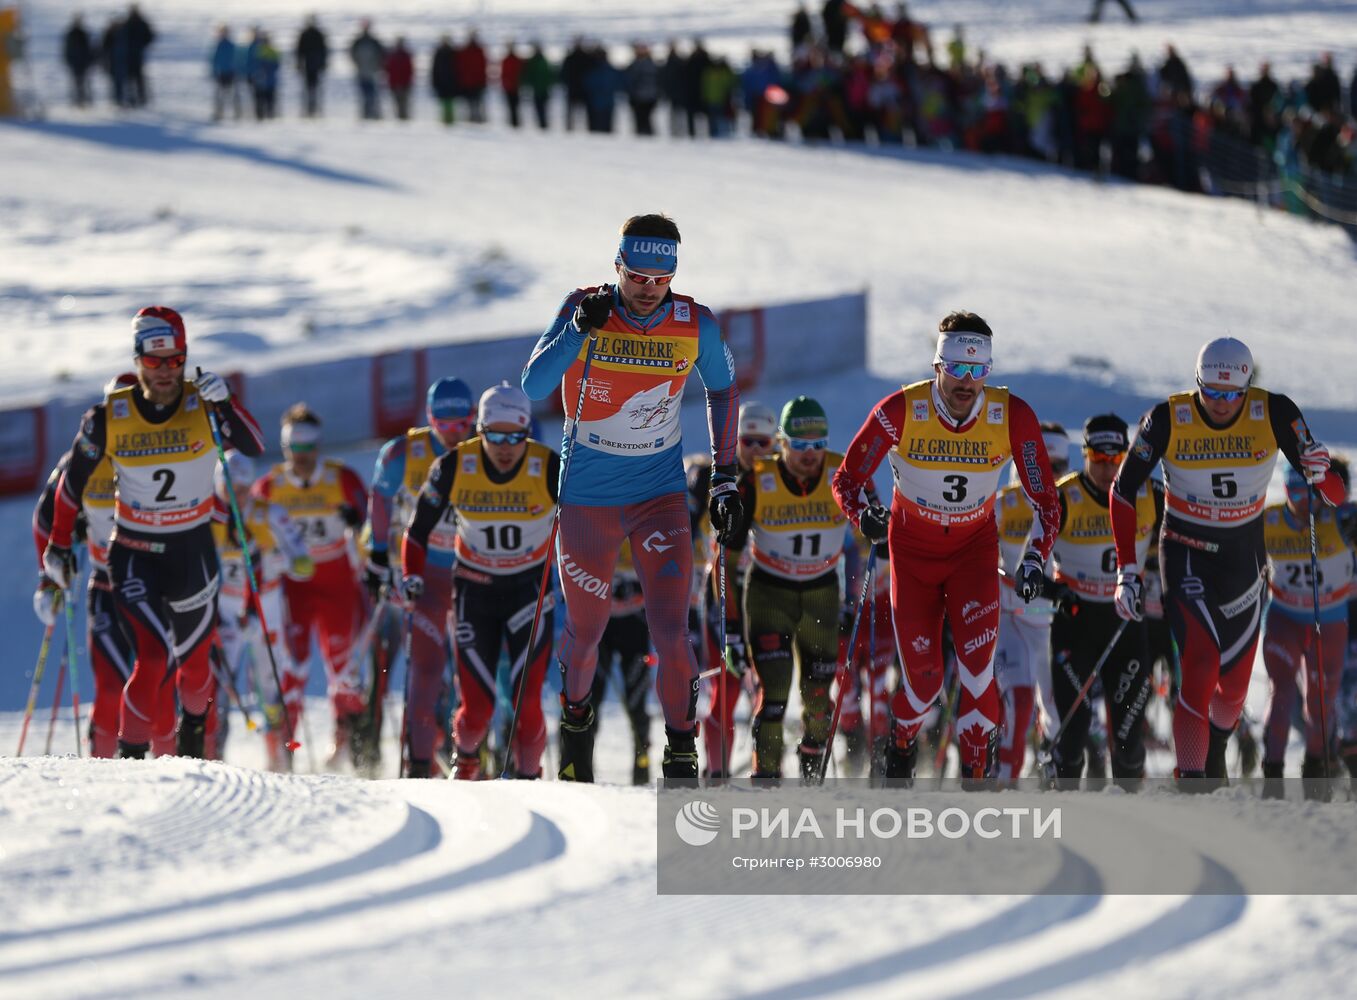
973 612
585 580
981 640
921 644
655 542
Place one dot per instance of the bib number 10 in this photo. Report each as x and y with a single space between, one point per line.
504 537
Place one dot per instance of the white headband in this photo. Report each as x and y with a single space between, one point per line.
968 348
300 433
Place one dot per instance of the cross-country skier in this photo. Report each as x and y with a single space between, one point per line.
110 651
501 486
328 499
947 440
1085 564
757 436
401 470
1219 444
789 610
625 473
1289 634
162 560
277 547
1022 657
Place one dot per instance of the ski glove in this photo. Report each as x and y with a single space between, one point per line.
1064 598
726 508
377 573
58 562
46 601
212 387
737 657
1130 595
1314 461
874 522
593 311
1031 580
412 588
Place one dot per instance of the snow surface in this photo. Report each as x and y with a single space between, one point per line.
298 241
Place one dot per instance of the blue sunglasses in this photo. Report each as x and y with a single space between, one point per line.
960 369
505 437
807 444
1223 395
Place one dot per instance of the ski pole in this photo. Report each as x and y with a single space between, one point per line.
56 703
43 650
250 581
551 542
1044 754
1319 634
721 652
841 674
226 678
72 659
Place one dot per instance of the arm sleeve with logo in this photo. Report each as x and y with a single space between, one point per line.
239 429
716 365
1293 434
556 350
45 509
749 498
1034 472
85 453
429 507
873 442
387 476
1147 447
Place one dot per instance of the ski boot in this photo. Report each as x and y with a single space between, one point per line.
1193 782
812 758
1218 743
419 768
577 742
978 756
766 780
468 767
1273 788
680 759
900 762
191 736
640 765
1248 751
133 751
1314 781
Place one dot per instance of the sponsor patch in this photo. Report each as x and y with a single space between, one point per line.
920 413
987 636
1256 409
1141 450
120 410
534 466
767 484
996 413
922 644
417 449
89 448
682 312
1182 413
469 464
191 404
681 365
973 612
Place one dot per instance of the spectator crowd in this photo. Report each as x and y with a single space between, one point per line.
855 74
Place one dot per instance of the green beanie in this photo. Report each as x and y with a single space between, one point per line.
803 417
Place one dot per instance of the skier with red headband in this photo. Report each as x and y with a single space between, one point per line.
623 477
162 560
1219 444
947 439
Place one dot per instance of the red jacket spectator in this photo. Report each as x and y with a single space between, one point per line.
400 68
511 71
471 67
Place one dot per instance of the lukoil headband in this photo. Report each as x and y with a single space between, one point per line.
656 253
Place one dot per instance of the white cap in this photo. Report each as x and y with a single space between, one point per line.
504 404
241 468
1225 361
302 432
757 420
1057 445
964 347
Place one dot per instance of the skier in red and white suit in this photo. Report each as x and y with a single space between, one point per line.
947 440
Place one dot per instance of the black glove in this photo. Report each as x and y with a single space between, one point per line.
351 517
1063 596
377 573
874 522
1031 580
594 310
726 509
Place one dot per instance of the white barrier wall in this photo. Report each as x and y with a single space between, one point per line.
374 396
